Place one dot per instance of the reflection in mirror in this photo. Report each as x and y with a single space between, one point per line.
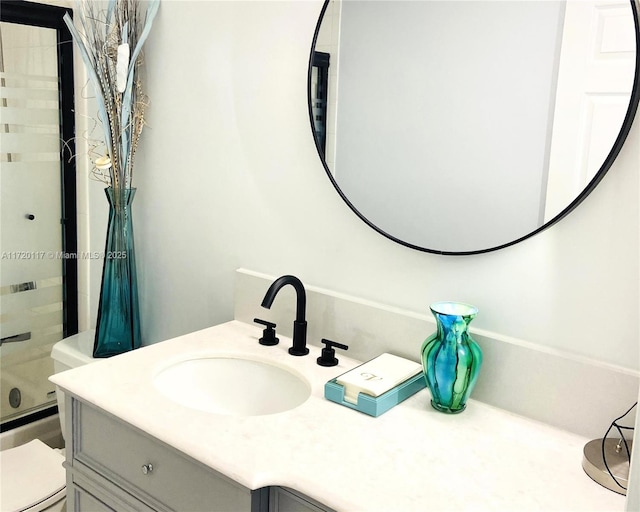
319 86
452 135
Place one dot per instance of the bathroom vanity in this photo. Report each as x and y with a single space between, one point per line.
133 448
114 466
121 468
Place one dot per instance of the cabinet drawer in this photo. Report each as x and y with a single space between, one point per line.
83 501
148 469
89 493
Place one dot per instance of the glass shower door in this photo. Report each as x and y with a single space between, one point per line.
34 261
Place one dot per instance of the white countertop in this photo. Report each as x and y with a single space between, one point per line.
412 458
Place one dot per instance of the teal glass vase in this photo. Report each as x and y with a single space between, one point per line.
451 358
118 324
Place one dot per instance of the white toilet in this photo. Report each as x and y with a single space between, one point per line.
33 478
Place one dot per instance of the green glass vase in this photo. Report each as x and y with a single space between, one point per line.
118 324
451 358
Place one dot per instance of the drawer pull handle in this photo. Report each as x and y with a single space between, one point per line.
147 468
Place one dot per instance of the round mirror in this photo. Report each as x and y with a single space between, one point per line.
465 127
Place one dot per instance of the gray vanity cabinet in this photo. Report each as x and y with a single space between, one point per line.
113 466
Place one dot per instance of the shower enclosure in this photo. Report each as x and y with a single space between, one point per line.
38 246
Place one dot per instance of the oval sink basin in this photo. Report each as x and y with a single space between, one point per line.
232 386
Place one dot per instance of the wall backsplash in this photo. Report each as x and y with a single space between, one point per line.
573 393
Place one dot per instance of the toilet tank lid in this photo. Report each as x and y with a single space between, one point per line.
31 474
75 350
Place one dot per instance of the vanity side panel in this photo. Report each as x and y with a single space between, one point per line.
69 439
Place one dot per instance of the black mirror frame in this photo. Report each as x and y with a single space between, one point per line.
613 153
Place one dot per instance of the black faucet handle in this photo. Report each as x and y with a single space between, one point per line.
328 357
268 334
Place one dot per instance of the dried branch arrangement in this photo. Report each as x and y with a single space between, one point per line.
110 35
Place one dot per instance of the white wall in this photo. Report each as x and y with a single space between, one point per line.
228 176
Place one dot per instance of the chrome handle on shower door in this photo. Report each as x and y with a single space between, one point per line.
15 338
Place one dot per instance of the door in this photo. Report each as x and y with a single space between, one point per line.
595 79
38 269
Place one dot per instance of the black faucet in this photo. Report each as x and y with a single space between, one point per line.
299 347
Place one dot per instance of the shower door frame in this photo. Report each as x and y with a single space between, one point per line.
49 16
